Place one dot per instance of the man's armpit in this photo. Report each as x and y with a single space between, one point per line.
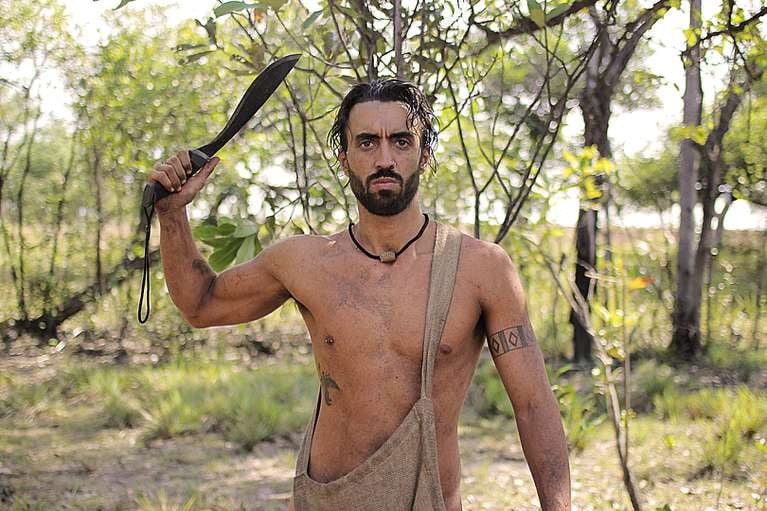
510 339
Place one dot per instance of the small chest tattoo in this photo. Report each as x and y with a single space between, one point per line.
327 383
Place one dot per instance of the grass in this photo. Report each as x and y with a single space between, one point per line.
685 435
183 397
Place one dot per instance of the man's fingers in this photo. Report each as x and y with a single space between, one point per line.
172 174
178 168
161 177
183 156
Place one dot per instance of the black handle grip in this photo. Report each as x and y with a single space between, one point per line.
155 191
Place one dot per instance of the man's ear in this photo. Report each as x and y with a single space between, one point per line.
344 162
425 155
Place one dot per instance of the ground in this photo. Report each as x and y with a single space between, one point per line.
64 459
76 469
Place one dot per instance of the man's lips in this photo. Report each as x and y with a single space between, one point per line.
384 182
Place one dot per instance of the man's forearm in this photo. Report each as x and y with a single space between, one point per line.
188 276
545 446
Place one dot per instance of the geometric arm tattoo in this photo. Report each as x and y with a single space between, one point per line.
510 339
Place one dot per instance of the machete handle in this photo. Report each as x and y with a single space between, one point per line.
155 191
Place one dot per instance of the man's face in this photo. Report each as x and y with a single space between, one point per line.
383 158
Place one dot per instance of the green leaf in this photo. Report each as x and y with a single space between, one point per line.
184 47
226 227
275 4
351 80
195 57
601 311
615 353
247 250
230 7
216 242
533 5
308 22
556 11
223 257
245 230
536 13
123 3
205 231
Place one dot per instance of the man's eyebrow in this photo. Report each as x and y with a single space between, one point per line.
398 134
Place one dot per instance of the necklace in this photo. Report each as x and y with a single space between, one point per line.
390 256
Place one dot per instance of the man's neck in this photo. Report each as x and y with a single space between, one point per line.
380 233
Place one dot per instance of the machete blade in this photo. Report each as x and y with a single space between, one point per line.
260 89
258 92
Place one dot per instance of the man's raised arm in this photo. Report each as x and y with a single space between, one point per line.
519 362
238 295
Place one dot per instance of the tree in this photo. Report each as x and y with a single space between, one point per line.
701 162
604 73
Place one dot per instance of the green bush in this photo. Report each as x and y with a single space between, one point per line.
112 388
161 502
186 395
269 402
742 363
737 417
580 413
492 399
650 380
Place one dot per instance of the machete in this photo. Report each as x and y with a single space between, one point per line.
258 92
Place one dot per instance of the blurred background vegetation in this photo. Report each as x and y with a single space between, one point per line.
654 336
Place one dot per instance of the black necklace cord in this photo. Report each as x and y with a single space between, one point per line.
147 210
397 253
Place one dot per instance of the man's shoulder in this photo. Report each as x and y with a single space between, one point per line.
483 255
304 245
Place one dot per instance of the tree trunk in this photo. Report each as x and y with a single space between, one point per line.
759 286
399 63
99 183
685 342
595 107
586 250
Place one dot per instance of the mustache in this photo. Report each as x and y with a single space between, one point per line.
384 173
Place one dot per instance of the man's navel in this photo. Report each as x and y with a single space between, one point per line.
445 349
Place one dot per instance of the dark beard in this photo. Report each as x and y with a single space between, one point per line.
385 202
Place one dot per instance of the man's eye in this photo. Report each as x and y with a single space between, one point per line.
366 143
403 142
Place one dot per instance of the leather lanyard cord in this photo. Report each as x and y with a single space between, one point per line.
148 212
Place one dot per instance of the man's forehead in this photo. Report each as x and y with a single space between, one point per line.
373 116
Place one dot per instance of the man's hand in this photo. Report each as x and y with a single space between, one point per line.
173 175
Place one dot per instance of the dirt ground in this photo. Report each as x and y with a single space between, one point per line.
60 468
47 463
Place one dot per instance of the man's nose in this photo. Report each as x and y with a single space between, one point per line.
385 157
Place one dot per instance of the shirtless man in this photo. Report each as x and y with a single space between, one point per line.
366 316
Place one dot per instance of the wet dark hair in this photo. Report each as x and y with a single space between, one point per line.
391 89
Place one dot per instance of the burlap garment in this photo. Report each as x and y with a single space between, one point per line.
402 475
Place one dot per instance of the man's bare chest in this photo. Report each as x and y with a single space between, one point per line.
357 311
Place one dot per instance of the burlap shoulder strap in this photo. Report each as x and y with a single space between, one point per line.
444 266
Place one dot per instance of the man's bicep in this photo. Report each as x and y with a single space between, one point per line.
247 291
503 306
510 337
